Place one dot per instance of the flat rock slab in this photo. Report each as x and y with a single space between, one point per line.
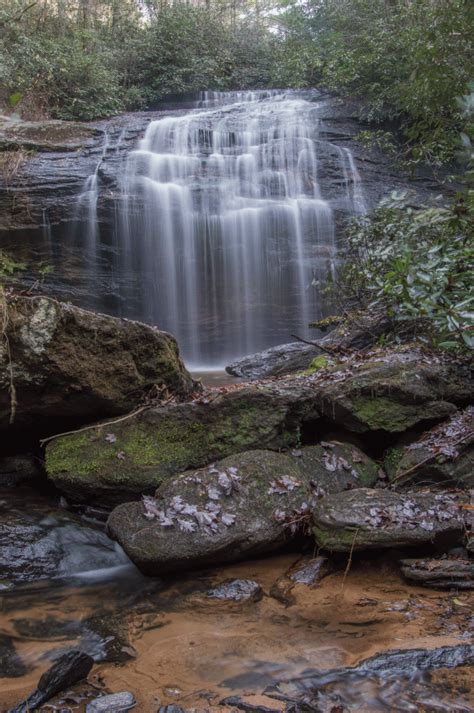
440 573
443 454
69 366
367 518
242 506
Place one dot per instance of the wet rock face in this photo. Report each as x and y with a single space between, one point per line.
242 506
367 519
389 391
443 454
45 542
68 670
69 366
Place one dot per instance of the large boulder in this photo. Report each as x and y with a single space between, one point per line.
61 366
443 454
243 506
368 518
136 455
392 390
388 391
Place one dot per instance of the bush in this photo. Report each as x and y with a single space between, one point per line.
417 265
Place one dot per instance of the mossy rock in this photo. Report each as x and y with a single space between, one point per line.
136 455
393 390
256 501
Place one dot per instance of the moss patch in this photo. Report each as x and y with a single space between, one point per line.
383 413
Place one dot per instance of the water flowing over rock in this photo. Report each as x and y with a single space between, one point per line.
217 223
244 228
61 366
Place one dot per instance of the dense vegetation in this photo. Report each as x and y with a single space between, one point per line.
409 61
86 59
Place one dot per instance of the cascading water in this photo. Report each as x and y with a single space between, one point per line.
225 220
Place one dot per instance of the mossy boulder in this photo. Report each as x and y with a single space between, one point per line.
336 466
136 455
61 366
242 506
443 454
392 390
369 519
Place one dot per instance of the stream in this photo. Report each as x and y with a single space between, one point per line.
65 585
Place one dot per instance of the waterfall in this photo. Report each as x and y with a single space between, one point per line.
225 220
86 211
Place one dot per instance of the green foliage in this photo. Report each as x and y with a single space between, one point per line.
90 59
407 60
418 265
9 266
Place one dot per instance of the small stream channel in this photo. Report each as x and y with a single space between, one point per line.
65 585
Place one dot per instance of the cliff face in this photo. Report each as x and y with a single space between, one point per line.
43 181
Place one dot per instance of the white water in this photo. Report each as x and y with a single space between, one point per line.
226 221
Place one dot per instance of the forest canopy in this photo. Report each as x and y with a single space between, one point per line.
408 62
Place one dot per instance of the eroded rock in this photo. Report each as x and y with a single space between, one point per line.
367 518
237 590
113 703
68 365
68 670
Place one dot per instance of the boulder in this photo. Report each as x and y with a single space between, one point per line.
367 518
135 456
242 506
387 391
392 390
68 366
443 454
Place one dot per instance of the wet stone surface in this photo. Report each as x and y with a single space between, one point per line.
237 590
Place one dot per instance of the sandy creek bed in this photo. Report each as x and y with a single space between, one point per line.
185 648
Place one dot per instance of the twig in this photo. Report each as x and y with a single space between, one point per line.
429 458
313 344
106 423
349 561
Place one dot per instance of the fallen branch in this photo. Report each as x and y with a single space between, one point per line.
429 458
107 423
313 344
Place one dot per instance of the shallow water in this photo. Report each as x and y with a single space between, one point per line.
167 642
